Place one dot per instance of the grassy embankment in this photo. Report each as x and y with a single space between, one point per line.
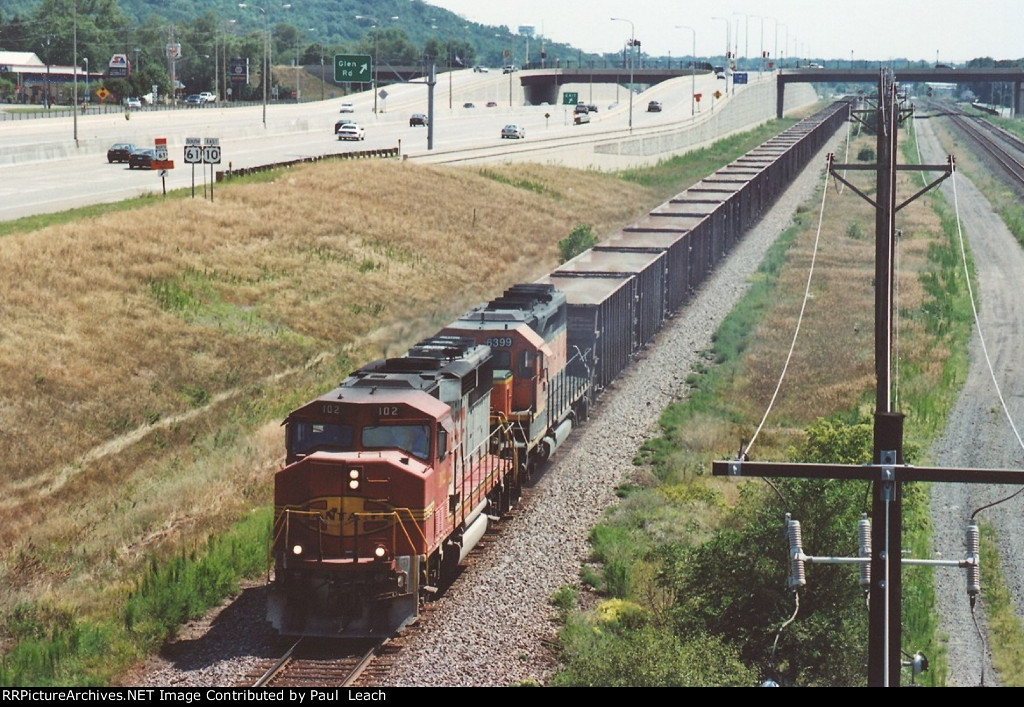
685 549
150 351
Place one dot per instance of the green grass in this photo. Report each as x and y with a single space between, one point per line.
1004 623
526 184
694 166
55 647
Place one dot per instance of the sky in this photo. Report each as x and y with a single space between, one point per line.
943 30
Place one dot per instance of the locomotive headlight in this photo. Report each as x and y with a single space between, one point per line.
353 479
353 473
380 551
297 549
353 484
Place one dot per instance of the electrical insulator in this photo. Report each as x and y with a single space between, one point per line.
973 560
797 577
864 536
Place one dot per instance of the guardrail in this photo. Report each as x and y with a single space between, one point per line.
21 111
387 152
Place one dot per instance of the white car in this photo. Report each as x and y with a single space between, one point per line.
513 131
351 131
347 108
208 97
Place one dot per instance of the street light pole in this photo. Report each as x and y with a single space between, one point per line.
74 63
266 59
373 76
746 34
762 43
632 47
728 43
693 70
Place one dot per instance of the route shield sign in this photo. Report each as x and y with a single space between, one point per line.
193 151
570 98
211 150
353 68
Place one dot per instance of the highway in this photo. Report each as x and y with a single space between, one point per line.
43 170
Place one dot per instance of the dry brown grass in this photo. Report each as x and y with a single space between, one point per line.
112 324
832 370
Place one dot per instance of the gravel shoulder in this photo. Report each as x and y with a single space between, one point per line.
977 433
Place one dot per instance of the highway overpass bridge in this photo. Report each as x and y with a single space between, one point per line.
542 85
903 76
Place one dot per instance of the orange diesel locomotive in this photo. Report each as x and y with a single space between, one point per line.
387 481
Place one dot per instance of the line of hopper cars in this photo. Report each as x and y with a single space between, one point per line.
392 477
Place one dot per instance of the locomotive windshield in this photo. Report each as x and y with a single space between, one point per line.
307 437
414 439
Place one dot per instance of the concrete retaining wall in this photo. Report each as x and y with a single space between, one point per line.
749 107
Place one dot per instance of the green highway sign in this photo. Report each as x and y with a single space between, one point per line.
353 68
570 98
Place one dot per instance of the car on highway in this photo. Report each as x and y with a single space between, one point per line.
120 152
468 105
347 108
132 103
510 69
208 97
351 131
194 100
142 159
492 104
480 69
417 119
581 118
581 108
654 107
513 131
592 107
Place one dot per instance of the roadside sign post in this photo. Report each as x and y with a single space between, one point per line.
161 160
193 156
205 151
211 156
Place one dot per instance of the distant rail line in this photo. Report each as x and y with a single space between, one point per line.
1001 147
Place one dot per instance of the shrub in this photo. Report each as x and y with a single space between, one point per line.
581 239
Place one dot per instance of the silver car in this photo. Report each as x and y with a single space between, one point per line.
513 131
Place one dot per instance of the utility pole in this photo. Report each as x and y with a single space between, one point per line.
887 471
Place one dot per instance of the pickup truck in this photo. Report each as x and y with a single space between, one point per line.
581 118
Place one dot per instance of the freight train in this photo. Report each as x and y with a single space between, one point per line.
391 478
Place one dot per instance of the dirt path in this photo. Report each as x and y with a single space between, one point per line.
977 433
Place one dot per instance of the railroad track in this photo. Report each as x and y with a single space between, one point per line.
312 662
1002 147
